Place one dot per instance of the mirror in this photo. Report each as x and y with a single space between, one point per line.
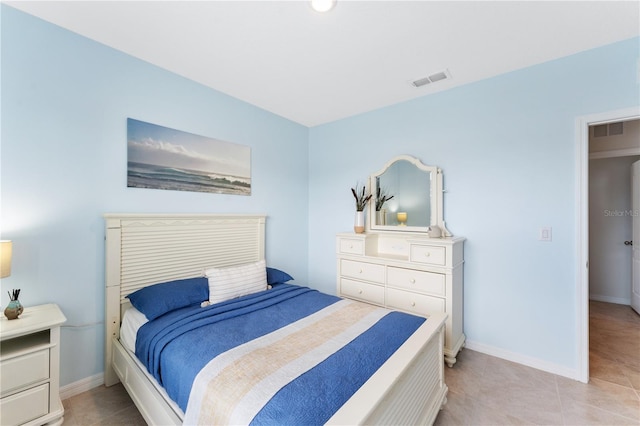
407 196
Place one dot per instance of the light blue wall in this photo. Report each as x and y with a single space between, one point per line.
507 149
65 102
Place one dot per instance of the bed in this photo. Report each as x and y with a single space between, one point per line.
407 387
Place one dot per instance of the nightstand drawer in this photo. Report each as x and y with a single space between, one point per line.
433 255
362 271
351 246
419 304
25 406
420 281
19 372
362 291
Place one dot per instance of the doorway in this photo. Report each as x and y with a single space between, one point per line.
582 226
614 331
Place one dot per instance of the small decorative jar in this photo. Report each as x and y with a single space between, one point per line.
13 309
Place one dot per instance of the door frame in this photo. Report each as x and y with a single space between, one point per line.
582 228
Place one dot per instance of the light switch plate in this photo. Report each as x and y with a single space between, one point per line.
545 233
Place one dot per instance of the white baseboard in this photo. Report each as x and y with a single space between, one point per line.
609 299
536 363
82 385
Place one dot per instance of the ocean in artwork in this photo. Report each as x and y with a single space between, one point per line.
142 175
163 158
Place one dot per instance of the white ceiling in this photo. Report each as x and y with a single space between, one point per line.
315 68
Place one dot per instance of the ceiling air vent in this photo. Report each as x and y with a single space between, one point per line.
600 130
615 128
611 129
439 76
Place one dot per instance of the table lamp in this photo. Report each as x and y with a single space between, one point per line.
402 218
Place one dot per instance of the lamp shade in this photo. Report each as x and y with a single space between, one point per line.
5 258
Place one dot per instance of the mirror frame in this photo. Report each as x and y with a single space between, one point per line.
436 199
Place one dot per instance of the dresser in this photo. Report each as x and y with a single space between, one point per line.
30 367
409 272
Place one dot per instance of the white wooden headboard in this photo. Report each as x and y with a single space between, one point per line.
145 249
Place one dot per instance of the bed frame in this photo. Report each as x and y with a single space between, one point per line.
144 249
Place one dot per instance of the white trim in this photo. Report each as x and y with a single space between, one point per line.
609 299
582 250
582 228
627 152
82 385
522 359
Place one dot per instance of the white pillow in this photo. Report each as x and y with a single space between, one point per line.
235 281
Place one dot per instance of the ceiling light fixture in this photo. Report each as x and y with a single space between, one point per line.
323 5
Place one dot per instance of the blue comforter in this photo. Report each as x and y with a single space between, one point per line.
177 345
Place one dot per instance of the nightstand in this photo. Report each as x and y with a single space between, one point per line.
30 367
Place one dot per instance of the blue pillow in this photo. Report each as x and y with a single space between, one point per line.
158 299
275 276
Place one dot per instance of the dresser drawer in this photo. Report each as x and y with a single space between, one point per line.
433 255
22 371
362 271
362 291
25 406
419 304
351 246
420 281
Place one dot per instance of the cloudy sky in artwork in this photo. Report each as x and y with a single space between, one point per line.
152 144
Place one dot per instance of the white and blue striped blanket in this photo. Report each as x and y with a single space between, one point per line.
290 355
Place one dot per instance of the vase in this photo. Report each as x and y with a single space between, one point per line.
358 225
13 309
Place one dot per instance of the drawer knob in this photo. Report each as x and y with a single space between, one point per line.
413 280
360 291
428 254
360 271
413 303
350 246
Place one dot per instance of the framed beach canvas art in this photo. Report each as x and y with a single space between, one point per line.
164 158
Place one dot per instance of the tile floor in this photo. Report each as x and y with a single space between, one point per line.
484 390
102 406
